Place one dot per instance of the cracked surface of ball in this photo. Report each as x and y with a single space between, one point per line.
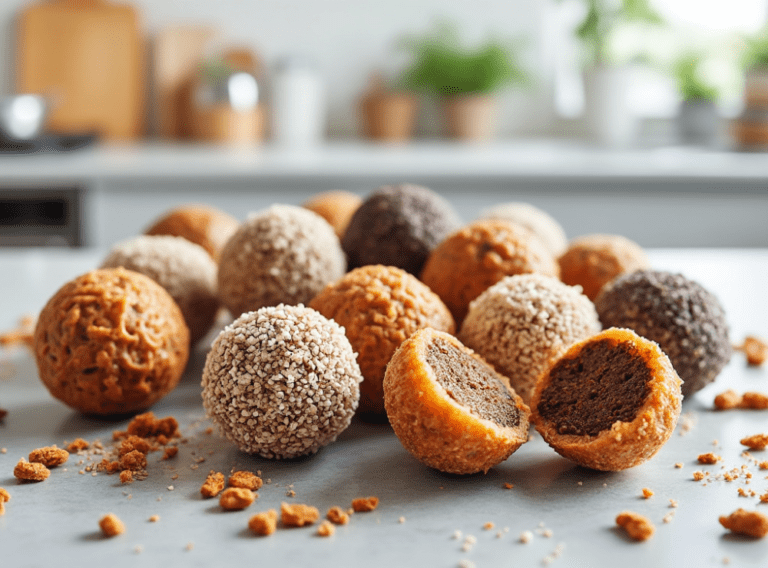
281 382
203 225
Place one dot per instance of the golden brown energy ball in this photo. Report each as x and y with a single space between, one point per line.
475 258
592 261
336 207
535 220
380 307
449 408
111 341
610 403
204 225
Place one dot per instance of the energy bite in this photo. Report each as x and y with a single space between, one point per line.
284 254
610 402
681 316
111 341
635 525
379 307
449 408
535 220
398 225
592 261
476 257
522 324
281 382
201 224
336 207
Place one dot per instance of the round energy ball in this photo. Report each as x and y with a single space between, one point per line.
592 261
380 307
281 382
183 268
111 341
471 260
398 226
204 225
282 255
336 207
524 323
686 321
535 220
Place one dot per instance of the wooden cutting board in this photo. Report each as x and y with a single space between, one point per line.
87 58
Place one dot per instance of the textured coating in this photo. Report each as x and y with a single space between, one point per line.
184 269
398 226
284 254
201 224
432 425
626 443
111 341
686 321
281 382
380 307
522 324
535 220
592 261
476 257
336 207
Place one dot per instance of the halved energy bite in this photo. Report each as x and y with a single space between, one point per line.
610 402
449 408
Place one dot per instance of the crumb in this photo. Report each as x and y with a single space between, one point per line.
727 400
236 498
290 493
755 349
246 480
749 523
754 401
464 563
138 549
556 553
25 471
401 520
636 526
213 485
668 517
726 560
365 504
3 450
190 546
126 476
647 493
456 535
488 526
77 445
579 483
298 515
154 518
171 488
170 452
337 516
110 525
175 476
756 442
740 491
326 528
263 524
470 539
133 460
4 498
526 537
679 465
764 498
698 475
50 456
146 426
508 486
709 458
673 503
547 533
687 422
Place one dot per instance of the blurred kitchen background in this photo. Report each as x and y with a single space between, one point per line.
647 118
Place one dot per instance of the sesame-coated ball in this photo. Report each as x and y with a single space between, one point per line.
380 307
284 254
398 226
592 261
524 323
204 225
471 260
111 341
535 220
686 320
281 382
336 207
183 268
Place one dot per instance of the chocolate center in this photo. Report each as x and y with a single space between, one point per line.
603 384
472 384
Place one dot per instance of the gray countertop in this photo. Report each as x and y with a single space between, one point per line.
55 522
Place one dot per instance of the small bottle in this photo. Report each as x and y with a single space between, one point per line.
298 104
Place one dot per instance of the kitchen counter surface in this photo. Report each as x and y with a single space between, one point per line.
55 522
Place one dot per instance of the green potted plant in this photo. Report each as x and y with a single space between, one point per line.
698 118
464 79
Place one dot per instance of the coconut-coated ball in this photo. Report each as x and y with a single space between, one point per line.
535 220
281 382
685 319
111 341
398 226
203 225
282 255
183 268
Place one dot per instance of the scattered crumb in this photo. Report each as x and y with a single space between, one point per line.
488 526
138 549
213 485
668 517
679 465
326 528
764 498
298 515
365 504
673 503
190 546
50 456
77 445
263 524
754 401
337 516
236 498
727 400
170 452
4 498
687 422
556 553
126 476
25 471
709 458
456 535
756 350
465 563
749 523
3 450
636 526
526 537
547 533
647 493
154 518
290 493
246 480
110 525
209 430
755 442
579 483
401 520
698 475
508 486
171 488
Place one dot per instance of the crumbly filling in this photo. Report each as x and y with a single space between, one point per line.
605 383
472 384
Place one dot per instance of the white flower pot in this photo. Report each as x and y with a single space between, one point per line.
609 120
